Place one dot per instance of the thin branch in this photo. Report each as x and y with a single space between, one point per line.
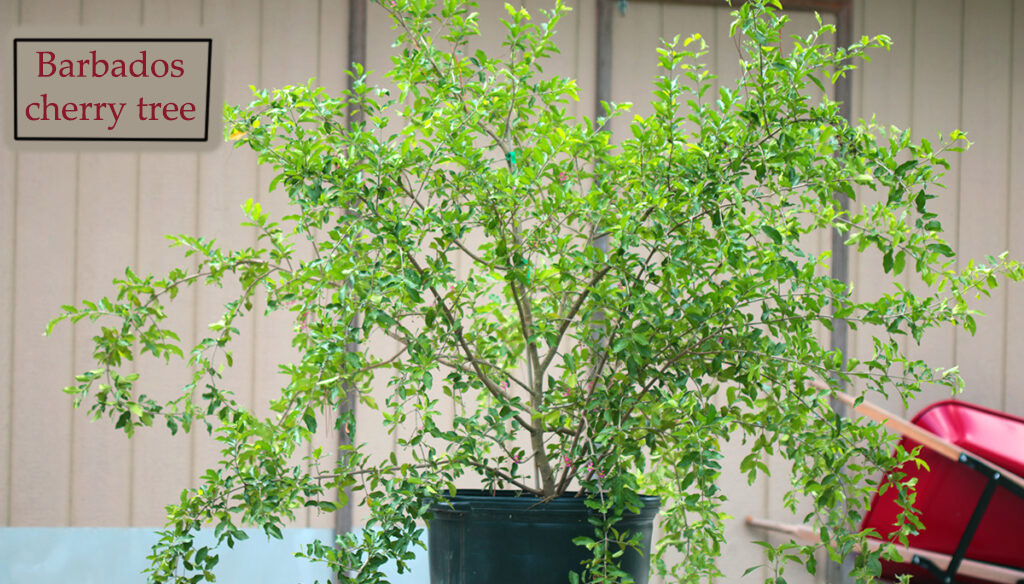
506 477
568 317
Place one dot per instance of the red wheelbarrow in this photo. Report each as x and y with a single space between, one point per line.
971 501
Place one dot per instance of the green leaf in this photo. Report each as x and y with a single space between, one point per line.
899 262
772 233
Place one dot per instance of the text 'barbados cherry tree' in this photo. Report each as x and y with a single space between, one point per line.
602 316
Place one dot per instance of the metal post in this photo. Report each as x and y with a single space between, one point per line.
356 54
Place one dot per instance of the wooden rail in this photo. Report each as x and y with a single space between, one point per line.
921 435
969 568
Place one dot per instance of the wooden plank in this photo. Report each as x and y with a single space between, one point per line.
8 235
886 91
227 177
723 61
802 24
369 430
983 209
334 60
583 21
112 12
635 38
685 21
969 568
578 21
855 340
576 35
185 13
850 21
778 482
55 12
936 79
101 455
744 499
833 240
290 45
356 49
492 35
725 52
105 244
289 57
369 427
1013 397
906 428
603 51
711 22
839 335
44 268
378 45
333 51
46 196
167 205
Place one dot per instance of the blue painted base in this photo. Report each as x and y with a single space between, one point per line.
87 555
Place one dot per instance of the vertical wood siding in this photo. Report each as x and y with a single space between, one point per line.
8 180
46 199
1013 392
983 195
226 177
70 222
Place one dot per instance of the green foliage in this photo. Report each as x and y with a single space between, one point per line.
602 314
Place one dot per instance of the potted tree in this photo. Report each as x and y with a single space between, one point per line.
599 315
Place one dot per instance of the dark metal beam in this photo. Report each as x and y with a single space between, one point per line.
356 54
603 75
843 12
823 6
356 49
840 252
834 571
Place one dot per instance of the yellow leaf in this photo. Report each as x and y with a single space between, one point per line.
237 135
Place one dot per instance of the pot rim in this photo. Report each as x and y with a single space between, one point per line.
524 502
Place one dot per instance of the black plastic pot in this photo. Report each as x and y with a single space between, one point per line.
507 537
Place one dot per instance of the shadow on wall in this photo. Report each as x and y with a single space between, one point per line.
87 555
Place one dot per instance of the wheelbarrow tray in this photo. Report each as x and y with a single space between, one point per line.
948 491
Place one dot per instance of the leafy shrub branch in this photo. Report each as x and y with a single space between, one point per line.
565 309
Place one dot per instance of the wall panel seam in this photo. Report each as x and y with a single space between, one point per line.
913 59
73 353
8 503
1007 223
132 450
253 357
319 41
197 333
959 159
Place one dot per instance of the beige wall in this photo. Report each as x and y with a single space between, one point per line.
959 65
70 222
73 221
